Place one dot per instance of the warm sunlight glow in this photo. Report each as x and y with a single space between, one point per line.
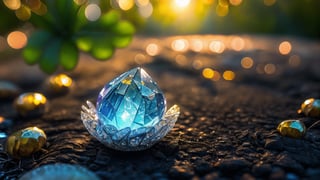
17 39
182 3
285 47
126 4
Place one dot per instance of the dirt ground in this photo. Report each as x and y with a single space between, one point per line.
226 130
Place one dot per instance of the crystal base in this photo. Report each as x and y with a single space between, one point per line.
127 139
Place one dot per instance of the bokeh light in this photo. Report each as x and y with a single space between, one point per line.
180 45
285 47
140 58
146 10
270 68
181 60
235 2
247 62
142 3
196 45
17 39
152 49
228 75
294 60
197 64
207 73
92 12
237 43
217 46
125 4
181 3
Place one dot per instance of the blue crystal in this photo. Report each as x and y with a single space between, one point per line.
131 100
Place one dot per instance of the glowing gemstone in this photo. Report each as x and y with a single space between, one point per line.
131 100
130 113
292 128
60 83
60 171
25 142
311 107
31 104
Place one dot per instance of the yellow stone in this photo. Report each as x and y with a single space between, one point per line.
25 142
31 104
292 128
60 83
311 107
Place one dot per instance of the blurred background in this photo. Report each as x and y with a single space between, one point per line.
171 17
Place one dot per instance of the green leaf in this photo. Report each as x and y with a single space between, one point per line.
121 42
102 51
69 55
109 19
123 28
50 58
36 43
84 43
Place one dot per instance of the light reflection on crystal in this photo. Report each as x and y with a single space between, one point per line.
130 113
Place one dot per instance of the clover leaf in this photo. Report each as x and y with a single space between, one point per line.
64 30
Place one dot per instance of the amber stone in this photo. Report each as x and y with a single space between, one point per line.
25 142
60 83
311 107
31 104
292 128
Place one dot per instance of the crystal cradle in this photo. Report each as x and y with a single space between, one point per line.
130 113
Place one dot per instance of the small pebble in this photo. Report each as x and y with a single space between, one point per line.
310 107
59 84
31 104
292 128
25 142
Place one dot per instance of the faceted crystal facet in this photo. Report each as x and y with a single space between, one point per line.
130 113
132 100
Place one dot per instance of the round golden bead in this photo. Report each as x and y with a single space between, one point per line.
292 128
31 104
311 107
25 142
60 83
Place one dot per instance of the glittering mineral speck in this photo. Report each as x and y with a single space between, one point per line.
132 100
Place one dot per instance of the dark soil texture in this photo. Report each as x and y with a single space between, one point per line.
226 129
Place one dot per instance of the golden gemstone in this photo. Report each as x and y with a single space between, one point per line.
311 107
292 128
60 83
31 104
25 142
